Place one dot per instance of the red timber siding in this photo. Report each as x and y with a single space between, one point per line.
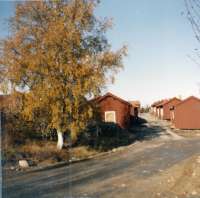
139 108
133 115
187 114
123 109
167 106
132 110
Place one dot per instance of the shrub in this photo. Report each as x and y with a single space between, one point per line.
102 137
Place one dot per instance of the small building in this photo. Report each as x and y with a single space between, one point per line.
133 115
136 104
153 107
157 107
160 109
165 108
187 114
115 109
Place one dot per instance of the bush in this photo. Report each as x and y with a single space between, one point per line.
103 137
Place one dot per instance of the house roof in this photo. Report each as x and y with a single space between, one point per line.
134 102
189 98
93 99
154 104
115 97
166 102
158 103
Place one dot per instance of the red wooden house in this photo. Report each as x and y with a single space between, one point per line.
153 107
136 104
157 107
165 108
187 114
115 109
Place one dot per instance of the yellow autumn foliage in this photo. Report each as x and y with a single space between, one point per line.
57 54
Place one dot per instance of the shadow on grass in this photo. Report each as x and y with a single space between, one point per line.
106 136
103 137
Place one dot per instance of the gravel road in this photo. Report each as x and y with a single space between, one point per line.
161 163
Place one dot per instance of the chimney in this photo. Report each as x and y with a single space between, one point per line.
180 97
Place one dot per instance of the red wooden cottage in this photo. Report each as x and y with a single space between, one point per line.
157 107
153 107
115 109
165 108
160 109
136 104
187 114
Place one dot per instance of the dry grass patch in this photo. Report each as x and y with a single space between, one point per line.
42 152
82 152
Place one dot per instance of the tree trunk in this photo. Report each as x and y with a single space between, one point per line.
60 139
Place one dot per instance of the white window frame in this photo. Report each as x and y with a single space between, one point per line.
110 112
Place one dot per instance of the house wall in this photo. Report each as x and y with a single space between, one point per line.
138 107
132 110
166 109
187 115
122 111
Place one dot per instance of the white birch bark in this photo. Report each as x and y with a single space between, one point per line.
60 139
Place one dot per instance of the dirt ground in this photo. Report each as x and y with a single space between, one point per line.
162 162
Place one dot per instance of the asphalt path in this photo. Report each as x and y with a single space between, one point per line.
141 169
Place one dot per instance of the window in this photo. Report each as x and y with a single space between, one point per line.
110 116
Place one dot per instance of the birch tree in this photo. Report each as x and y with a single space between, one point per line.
193 15
57 54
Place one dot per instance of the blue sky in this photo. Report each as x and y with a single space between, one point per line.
160 40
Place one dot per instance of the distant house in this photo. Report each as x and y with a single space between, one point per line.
153 107
186 114
115 109
160 109
133 115
165 106
136 104
157 107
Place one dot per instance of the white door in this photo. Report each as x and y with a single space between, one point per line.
161 112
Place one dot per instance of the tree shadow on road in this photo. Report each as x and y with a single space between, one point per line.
144 131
